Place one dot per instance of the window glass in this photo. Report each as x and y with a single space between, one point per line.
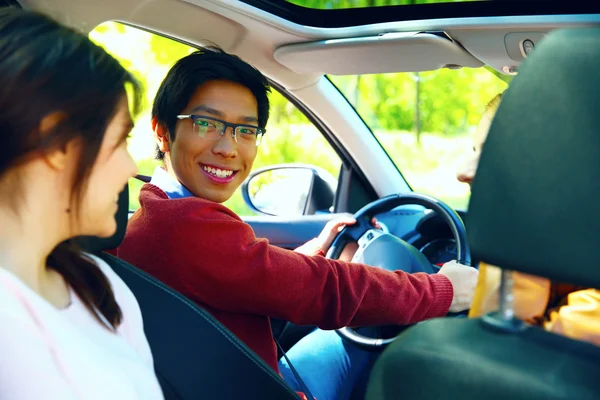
425 122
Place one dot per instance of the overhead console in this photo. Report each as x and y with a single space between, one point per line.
518 46
388 52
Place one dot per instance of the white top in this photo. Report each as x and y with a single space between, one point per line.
47 353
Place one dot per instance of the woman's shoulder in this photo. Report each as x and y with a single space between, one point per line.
16 299
132 325
132 317
22 313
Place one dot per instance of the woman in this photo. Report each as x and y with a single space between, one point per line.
69 327
561 308
532 291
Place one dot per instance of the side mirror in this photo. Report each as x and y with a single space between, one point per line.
290 190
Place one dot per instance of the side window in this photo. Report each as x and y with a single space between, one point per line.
426 122
290 139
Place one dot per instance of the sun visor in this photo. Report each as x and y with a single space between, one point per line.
391 52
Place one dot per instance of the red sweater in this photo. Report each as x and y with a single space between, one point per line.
206 252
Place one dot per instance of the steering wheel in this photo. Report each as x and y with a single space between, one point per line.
384 250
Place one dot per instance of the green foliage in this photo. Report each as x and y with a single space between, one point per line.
338 4
449 103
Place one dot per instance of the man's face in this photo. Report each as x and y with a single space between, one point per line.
213 169
467 172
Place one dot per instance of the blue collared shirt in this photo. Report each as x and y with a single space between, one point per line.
171 186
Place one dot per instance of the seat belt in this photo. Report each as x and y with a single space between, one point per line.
301 383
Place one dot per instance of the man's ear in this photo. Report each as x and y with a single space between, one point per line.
162 135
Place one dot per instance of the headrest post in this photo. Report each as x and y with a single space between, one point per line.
504 319
507 298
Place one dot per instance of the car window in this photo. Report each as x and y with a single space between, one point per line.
425 122
290 137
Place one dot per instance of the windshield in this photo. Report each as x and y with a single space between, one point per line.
425 122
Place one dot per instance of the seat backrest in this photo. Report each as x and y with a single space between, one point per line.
467 359
195 357
533 209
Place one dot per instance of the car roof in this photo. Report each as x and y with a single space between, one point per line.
296 55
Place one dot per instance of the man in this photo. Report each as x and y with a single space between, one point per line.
209 117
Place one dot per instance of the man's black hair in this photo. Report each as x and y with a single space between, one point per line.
189 73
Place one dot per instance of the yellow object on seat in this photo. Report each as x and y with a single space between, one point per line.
531 293
578 319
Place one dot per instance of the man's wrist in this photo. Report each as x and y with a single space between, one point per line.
311 248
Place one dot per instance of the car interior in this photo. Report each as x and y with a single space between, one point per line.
298 48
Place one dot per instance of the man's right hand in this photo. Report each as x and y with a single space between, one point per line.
464 281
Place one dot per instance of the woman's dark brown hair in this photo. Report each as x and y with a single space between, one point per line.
48 68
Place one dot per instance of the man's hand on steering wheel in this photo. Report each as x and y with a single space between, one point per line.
321 244
333 228
464 280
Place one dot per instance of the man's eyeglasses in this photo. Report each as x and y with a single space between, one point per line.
213 129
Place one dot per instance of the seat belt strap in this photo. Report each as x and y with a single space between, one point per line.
301 383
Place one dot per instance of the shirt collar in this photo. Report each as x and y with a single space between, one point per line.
171 186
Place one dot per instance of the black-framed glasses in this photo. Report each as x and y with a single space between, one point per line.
212 129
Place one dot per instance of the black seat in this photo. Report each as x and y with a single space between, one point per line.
195 357
534 208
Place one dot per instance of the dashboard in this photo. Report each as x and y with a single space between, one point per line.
424 229
440 251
